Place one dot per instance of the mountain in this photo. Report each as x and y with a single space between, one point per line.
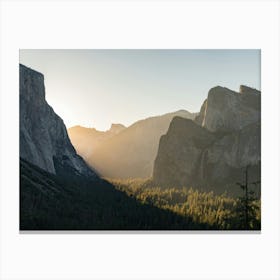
227 110
44 141
212 152
86 140
131 152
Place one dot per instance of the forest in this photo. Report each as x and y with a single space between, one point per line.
219 212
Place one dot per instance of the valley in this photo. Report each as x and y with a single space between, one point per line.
176 171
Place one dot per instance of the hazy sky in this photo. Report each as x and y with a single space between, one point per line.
95 88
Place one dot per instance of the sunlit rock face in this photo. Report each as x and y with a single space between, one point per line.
227 110
44 140
212 152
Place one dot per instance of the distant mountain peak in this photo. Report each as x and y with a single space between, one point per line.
81 128
116 127
182 111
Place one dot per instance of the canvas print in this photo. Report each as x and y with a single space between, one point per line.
126 139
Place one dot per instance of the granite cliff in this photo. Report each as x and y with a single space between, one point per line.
44 141
227 110
212 152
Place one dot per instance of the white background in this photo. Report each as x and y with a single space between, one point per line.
198 24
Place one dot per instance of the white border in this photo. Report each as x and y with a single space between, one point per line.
156 24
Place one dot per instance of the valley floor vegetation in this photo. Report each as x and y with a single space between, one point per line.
71 202
219 212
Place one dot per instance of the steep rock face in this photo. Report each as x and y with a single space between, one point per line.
87 140
227 110
192 155
222 164
180 152
44 140
131 152
239 148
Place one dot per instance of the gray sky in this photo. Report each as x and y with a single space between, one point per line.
95 88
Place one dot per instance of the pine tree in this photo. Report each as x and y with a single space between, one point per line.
247 208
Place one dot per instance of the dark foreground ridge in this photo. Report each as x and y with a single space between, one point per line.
52 202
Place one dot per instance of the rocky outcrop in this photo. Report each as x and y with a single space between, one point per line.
44 140
212 152
131 152
227 110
